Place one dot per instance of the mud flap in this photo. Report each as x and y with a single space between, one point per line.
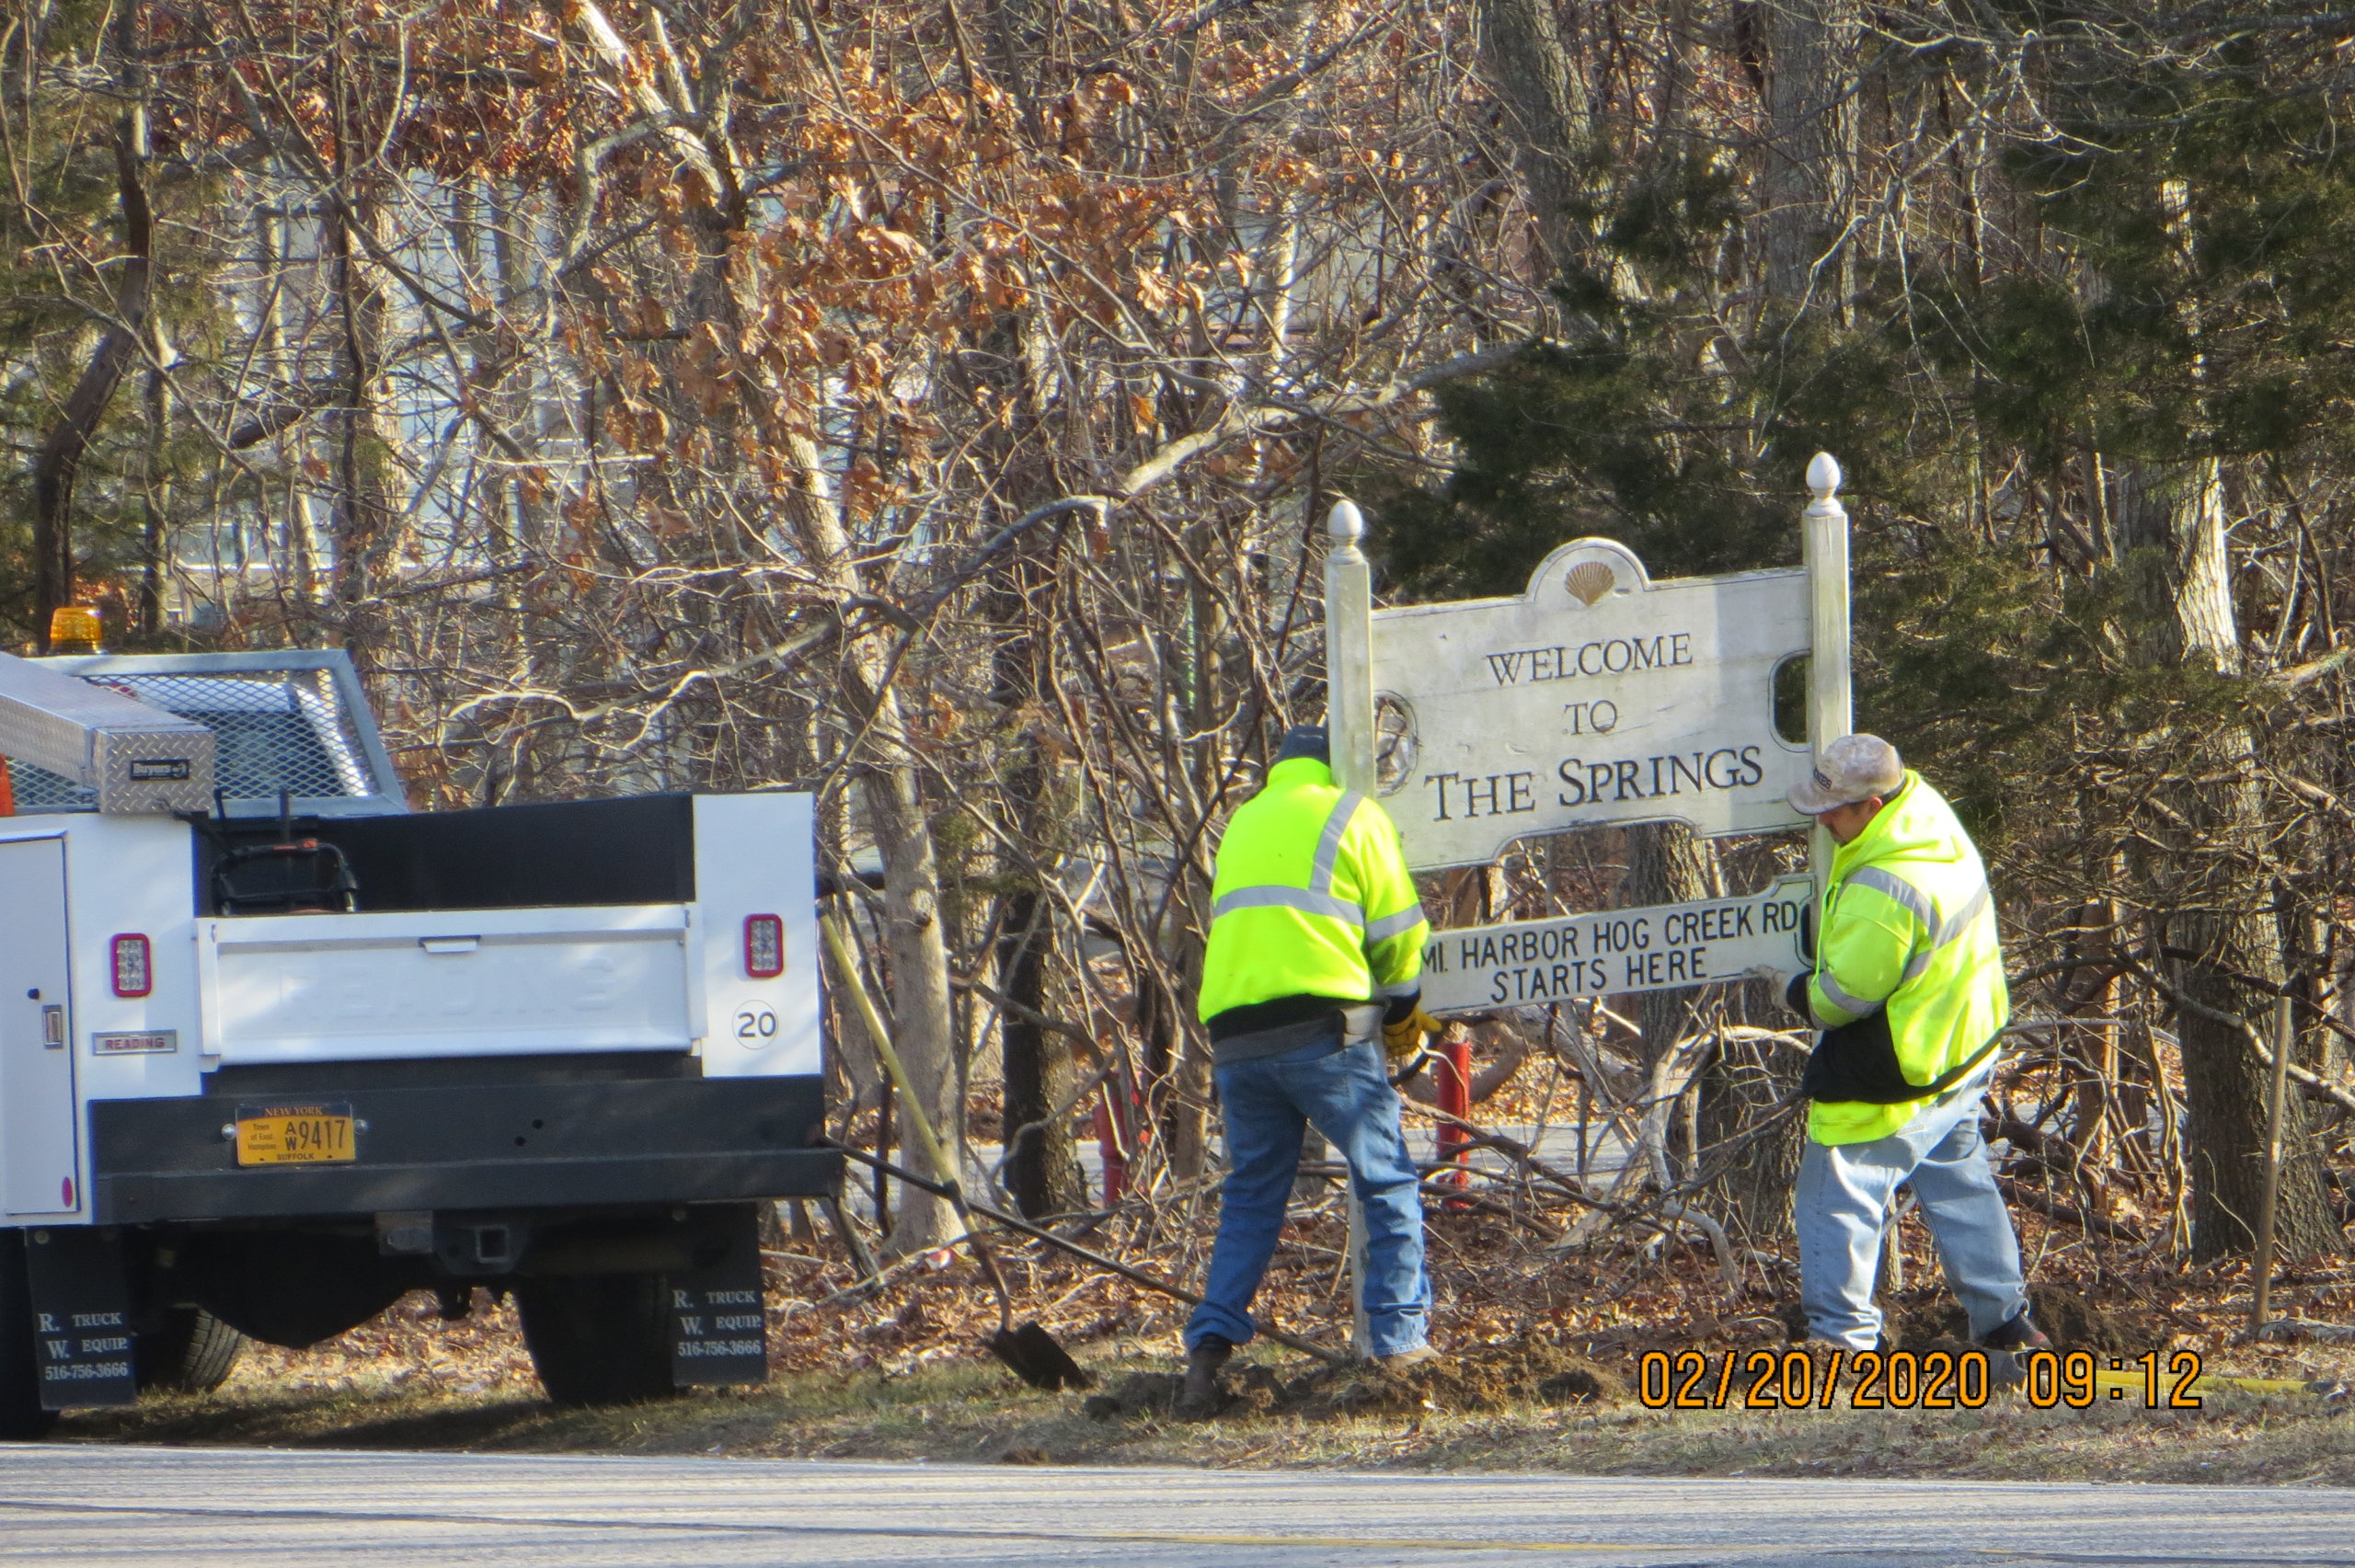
718 1321
81 1316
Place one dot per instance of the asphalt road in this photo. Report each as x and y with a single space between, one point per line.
242 1508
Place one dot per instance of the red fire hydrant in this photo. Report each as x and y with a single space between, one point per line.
1120 1130
1452 1090
1109 1143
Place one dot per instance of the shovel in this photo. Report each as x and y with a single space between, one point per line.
1029 1351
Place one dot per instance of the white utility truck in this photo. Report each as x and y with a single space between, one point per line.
275 1050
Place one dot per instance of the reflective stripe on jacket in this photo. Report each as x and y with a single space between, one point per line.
1908 925
1312 898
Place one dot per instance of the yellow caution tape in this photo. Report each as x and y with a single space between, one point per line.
2265 1385
2133 1383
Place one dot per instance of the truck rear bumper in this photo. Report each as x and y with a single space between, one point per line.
540 1145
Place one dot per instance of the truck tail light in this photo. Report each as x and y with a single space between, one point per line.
133 974
763 946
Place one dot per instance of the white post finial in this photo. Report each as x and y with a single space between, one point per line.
1345 523
1824 475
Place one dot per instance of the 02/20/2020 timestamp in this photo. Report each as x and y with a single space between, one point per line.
1901 1380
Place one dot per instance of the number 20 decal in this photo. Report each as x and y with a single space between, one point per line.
756 1025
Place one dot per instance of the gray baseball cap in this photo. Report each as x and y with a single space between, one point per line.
1853 768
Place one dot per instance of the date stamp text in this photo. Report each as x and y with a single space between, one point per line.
1901 1379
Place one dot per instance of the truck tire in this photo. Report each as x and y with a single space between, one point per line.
192 1353
598 1339
21 1416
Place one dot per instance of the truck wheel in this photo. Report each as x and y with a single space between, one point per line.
21 1415
192 1353
598 1339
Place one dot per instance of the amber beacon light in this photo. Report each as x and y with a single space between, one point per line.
763 946
135 974
74 628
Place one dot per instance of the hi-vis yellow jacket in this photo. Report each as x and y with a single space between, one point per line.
1909 931
1312 898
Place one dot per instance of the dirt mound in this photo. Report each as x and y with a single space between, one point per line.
1246 1390
2075 1322
1485 1377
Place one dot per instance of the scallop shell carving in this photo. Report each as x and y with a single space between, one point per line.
1589 581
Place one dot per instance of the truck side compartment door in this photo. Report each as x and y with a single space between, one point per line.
37 1131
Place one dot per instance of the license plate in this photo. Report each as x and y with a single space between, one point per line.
295 1135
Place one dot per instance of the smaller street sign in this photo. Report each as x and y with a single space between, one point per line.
1615 951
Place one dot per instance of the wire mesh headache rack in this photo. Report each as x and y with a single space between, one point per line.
278 727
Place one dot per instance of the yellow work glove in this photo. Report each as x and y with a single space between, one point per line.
1403 1038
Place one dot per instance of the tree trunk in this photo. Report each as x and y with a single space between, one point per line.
1042 1171
60 459
923 1022
886 780
1038 1077
922 1019
1742 1085
156 492
365 519
1667 864
2203 879
1546 116
1037 1074
1810 153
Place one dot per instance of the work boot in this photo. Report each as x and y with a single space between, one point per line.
1407 1358
2021 1335
2008 1347
1198 1398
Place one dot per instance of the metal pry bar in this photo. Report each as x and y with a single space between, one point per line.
138 759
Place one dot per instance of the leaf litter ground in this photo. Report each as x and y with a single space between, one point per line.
1543 1354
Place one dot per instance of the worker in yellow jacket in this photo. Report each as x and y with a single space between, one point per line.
1909 991
1311 981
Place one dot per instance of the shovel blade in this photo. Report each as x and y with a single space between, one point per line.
1035 1357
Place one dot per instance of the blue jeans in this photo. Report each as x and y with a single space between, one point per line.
1845 1191
1268 1106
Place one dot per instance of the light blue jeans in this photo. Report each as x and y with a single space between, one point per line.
1269 1105
1845 1193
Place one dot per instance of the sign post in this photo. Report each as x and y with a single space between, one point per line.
1830 710
1348 724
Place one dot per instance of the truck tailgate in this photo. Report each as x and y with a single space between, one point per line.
352 986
